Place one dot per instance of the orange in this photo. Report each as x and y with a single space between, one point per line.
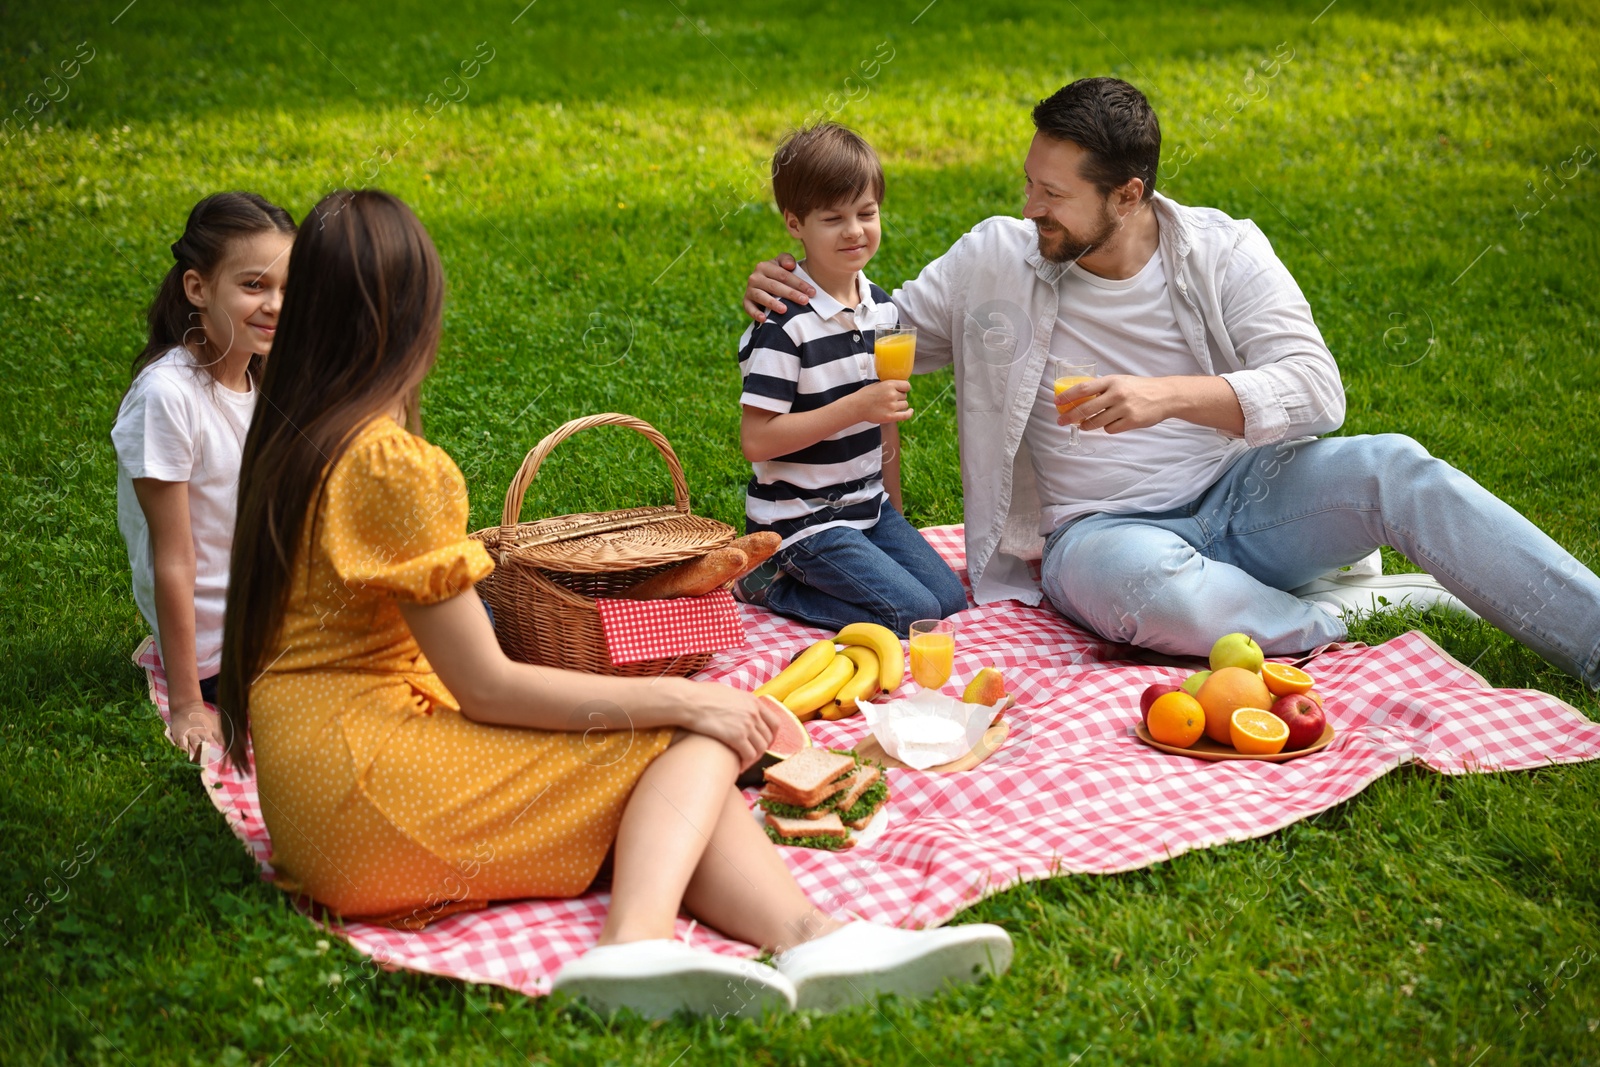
1176 719
1283 679
1258 732
1225 690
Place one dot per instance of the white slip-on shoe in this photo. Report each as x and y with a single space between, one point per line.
1367 566
860 960
657 978
1358 595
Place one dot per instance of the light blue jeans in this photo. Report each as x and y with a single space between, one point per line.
1284 515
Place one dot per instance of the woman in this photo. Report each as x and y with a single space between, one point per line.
407 769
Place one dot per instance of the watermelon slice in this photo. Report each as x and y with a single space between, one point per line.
790 739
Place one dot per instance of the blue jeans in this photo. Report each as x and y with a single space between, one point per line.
888 574
1284 515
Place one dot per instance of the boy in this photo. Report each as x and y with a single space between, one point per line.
814 411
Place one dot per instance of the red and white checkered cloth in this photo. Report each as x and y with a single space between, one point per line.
659 629
1071 792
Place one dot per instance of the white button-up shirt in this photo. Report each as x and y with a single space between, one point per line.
990 304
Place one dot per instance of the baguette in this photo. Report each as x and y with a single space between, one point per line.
759 547
697 577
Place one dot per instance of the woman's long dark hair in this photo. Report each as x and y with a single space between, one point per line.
214 223
357 334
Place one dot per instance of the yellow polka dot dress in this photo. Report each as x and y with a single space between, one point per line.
384 802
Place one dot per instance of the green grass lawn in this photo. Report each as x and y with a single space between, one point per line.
596 194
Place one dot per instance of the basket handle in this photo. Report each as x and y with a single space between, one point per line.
530 467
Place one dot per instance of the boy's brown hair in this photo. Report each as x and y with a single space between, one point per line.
823 166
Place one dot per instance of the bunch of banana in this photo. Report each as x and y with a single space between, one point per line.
863 684
882 640
825 680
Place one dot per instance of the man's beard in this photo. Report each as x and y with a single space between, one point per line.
1059 245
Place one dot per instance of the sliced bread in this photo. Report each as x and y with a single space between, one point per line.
807 778
827 826
865 778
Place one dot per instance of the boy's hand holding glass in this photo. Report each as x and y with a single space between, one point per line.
883 402
894 351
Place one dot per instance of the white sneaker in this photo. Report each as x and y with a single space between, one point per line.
657 978
1358 595
1368 566
858 961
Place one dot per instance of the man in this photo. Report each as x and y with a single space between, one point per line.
1211 497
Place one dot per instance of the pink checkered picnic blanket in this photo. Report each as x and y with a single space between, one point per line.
1070 792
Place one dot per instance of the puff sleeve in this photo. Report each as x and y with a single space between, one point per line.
395 520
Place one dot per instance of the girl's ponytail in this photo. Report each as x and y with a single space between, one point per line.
213 223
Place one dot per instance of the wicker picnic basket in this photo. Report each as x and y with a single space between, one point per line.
547 573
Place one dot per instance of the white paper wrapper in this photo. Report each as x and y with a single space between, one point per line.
928 727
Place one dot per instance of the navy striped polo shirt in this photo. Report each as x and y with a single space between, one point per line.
806 358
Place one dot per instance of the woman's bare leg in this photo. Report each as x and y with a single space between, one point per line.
743 888
665 828
687 840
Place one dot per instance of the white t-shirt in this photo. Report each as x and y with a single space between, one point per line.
177 424
1125 327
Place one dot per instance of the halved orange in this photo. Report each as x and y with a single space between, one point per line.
1176 719
1258 732
1283 679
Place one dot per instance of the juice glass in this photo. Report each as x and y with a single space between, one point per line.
894 349
933 651
1065 374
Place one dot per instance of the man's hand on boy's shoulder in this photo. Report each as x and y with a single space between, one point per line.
771 283
882 402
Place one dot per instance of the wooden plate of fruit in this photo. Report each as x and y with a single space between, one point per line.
1244 707
1207 749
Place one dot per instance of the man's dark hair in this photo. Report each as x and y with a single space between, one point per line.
1114 125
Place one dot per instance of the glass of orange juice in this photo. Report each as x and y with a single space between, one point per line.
1064 374
933 651
894 350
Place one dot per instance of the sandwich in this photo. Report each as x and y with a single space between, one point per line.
815 797
825 833
803 785
868 791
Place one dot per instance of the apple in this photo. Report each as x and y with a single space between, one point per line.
1151 694
1237 650
1192 684
1303 716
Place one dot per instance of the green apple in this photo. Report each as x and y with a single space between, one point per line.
1237 650
1192 684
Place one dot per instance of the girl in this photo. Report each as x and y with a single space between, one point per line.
180 431
407 769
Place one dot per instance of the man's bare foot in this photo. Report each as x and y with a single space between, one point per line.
192 727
